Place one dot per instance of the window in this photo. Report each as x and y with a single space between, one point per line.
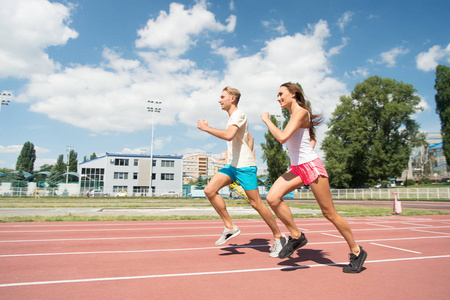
120 175
168 163
140 189
118 188
136 162
135 175
121 162
167 176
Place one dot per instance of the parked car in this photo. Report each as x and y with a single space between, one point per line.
170 194
122 194
97 193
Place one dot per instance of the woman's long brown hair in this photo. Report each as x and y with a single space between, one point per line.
315 120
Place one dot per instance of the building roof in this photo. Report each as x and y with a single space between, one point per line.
134 156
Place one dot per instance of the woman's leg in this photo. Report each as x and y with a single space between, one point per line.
286 183
322 193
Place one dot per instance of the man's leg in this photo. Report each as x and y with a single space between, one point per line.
212 193
264 211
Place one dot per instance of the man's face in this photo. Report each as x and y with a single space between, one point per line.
226 100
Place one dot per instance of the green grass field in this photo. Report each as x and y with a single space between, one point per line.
140 202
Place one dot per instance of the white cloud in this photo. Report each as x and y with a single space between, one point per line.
175 32
337 49
10 149
15 149
232 5
390 57
428 61
43 161
27 28
112 97
358 73
274 25
345 19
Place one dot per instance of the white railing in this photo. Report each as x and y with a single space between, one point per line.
338 194
382 194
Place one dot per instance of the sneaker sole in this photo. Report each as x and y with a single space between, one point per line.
292 252
358 269
230 237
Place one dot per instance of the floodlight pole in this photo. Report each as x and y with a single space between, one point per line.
153 109
3 100
68 161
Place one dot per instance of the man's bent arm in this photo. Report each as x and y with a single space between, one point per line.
227 134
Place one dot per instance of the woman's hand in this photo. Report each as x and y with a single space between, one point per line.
265 117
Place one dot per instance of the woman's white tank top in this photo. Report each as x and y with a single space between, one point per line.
299 147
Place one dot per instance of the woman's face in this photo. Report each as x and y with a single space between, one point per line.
285 97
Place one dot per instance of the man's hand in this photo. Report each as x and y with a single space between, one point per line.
202 125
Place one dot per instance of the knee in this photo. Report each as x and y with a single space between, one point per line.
331 216
273 200
256 205
209 192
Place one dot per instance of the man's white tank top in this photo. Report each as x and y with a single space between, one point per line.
299 147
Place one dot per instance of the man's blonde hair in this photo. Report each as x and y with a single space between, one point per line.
234 92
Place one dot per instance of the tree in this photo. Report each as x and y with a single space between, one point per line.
442 98
46 168
199 185
60 166
371 133
26 159
53 179
93 156
73 161
273 153
19 184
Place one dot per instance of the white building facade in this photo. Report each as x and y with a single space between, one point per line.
114 173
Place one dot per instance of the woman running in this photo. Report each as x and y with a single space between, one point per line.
306 168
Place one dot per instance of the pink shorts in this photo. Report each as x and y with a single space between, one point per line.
310 171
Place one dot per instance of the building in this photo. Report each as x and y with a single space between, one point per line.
113 173
196 165
427 161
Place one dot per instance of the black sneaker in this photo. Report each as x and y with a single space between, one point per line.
292 245
356 262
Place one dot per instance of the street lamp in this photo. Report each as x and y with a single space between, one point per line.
68 162
3 100
152 108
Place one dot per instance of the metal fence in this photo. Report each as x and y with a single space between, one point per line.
343 194
382 194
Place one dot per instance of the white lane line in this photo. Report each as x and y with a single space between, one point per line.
396 248
211 227
429 231
209 273
386 226
207 235
333 235
415 224
130 251
205 248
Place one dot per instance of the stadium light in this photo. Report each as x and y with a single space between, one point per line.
3 100
152 108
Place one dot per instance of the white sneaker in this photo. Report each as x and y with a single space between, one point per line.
278 244
228 234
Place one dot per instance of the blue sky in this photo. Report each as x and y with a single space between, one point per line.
81 72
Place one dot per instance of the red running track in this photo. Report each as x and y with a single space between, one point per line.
408 258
